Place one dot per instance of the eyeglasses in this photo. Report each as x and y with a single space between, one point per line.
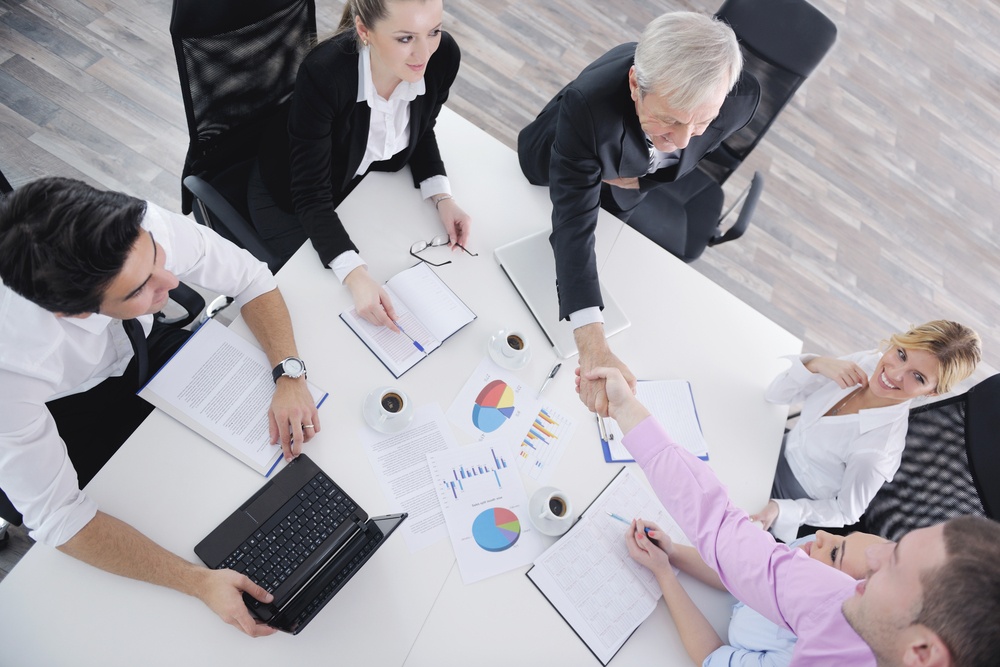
437 241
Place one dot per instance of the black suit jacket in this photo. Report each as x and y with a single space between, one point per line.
590 132
310 167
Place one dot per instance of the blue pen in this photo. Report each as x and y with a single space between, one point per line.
629 523
415 343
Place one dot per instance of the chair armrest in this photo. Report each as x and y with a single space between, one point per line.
749 198
187 298
218 212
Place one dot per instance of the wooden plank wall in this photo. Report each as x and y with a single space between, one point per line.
882 175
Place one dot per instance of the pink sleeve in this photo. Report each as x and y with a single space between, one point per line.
781 583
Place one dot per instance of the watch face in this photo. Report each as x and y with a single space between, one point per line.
293 367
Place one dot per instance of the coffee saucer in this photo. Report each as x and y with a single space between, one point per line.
374 418
550 527
496 354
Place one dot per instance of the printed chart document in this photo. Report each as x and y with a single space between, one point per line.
400 464
672 403
219 385
494 403
427 312
588 575
486 509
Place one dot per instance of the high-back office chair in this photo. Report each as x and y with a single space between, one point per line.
237 63
950 465
783 41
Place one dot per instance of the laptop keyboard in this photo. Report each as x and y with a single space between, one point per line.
295 531
370 544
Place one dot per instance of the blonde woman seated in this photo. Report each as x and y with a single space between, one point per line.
849 438
753 640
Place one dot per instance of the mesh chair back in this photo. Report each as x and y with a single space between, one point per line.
237 63
783 41
935 481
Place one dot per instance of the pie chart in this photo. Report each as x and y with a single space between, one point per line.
494 406
496 529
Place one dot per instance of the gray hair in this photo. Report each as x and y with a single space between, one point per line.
687 57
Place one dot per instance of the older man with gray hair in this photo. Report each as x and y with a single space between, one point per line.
639 116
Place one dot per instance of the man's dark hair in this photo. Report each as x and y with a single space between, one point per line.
62 242
961 600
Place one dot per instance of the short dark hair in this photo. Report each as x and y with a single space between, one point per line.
62 242
961 599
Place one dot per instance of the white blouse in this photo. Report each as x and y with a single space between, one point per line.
841 460
388 134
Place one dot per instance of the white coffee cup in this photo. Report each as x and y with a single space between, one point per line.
388 409
510 348
555 506
550 511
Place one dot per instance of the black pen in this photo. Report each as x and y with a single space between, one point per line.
552 374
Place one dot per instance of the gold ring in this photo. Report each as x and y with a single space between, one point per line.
308 426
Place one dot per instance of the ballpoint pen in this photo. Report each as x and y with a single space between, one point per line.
552 374
646 530
412 339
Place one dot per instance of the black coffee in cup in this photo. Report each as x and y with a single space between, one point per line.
515 342
557 506
392 402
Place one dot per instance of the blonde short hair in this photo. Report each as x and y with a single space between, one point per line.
957 348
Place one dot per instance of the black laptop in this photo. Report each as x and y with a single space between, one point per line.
300 537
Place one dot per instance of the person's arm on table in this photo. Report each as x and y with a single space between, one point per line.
292 405
370 299
118 548
698 636
457 222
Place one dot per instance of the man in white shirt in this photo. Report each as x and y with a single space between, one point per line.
80 270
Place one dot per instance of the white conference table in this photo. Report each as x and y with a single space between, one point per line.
413 608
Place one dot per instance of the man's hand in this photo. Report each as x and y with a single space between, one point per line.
456 222
118 548
222 593
628 183
844 373
622 404
644 552
766 516
293 418
370 299
594 352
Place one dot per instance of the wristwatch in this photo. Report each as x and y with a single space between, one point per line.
292 367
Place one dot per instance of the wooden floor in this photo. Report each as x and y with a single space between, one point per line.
880 208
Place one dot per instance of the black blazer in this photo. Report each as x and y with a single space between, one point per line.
310 167
590 132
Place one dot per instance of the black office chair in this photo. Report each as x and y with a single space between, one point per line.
237 63
783 41
950 465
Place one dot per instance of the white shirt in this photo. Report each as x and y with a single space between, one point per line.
43 357
755 641
841 460
388 134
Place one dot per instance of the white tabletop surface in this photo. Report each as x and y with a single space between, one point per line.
413 608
